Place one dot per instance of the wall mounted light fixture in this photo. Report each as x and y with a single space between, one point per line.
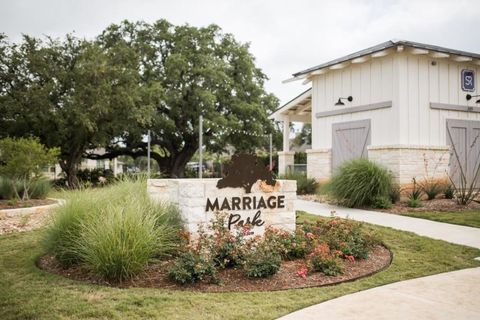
469 97
340 103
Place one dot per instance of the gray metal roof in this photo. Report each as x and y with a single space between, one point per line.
387 45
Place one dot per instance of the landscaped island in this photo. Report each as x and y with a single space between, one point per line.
118 236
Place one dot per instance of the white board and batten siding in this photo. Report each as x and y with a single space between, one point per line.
411 82
422 83
368 83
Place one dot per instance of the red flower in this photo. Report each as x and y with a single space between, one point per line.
322 249
334 222
303 272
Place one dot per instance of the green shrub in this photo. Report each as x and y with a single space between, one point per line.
32 188
113 231
191 267
39 188
416 192
382 202
290 246
7 190
216 247
414 202
323 260
96 176
300 157
358 182
22 158
305 185
347 236
449 193
431 189
264 261
394 193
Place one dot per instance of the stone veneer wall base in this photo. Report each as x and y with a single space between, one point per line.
319 164
407 161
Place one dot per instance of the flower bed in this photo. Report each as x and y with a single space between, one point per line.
328 252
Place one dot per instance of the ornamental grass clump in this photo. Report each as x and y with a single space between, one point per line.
358 182
114 232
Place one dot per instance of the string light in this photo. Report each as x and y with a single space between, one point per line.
235 131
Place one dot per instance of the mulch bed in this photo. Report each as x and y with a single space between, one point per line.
401 207
9 204
233 280
435 205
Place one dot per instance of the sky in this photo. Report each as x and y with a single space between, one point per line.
285 36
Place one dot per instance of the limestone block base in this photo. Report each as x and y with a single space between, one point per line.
319 164
407 161
285 159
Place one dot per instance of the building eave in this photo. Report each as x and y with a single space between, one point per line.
303 99
384 46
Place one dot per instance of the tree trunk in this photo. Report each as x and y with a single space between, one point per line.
179 161
69 166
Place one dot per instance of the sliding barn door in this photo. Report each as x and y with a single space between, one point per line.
464 138
350 141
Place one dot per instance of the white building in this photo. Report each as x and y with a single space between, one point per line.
409 103
55 171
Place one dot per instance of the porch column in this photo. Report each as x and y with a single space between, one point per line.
285 157
113 166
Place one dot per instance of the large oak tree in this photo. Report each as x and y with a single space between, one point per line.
70 93
79 95
191 72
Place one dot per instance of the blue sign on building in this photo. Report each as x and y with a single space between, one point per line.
468 80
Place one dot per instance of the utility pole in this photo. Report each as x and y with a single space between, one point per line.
270 137
200 146
148 154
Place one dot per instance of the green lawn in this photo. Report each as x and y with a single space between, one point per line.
29 293
464 218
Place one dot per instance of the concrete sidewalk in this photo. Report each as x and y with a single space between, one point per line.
467 236
446 296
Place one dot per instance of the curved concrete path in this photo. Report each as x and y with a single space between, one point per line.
446 296
466 236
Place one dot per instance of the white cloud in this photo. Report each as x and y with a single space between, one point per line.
285 36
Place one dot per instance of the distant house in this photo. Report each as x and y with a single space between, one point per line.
400 103
54 172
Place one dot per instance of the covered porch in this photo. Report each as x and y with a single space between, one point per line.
299 109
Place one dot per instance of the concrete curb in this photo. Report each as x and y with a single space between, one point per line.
9 213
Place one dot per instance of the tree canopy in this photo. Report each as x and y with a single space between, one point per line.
78 95
24 158
191 72
69 93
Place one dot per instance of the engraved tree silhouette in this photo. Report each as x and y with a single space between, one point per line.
244 171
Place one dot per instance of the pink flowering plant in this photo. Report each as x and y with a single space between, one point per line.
324 246
322 259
